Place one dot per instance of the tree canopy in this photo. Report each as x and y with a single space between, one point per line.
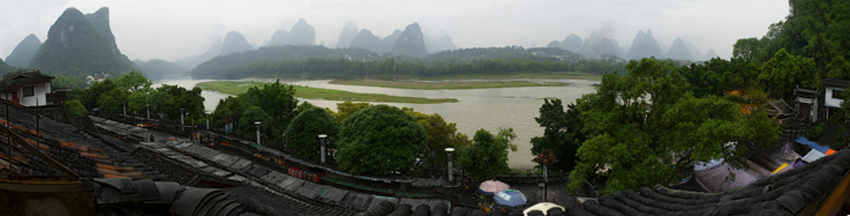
646 127
562 134
302 134
379 140
441 135
488 154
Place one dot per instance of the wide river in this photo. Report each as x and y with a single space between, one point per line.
490 109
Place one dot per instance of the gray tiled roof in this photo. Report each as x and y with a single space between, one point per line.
22 78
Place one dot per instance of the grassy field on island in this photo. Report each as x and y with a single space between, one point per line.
239 87
442 84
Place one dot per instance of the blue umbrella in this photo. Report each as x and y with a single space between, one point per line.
510 198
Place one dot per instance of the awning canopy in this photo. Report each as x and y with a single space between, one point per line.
820 148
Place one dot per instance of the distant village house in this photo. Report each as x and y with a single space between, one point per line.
28 88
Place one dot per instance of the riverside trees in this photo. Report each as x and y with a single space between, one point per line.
380 140
647 126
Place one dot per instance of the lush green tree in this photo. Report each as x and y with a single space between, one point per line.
112 101
488 154
562 134
75 109
169 99
278 100
68 82
839 68
133 81
784 72
345 109
718 75
441 135
646 127
748 49
229 110
302 134
247 128
89 97
379 140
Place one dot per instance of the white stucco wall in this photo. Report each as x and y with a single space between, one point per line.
40 90
832 102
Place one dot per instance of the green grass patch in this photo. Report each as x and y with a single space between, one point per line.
442 85
239 87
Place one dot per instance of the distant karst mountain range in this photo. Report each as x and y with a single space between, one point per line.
80 43
410 42
644 45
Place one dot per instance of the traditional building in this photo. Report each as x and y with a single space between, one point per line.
806 103
28 88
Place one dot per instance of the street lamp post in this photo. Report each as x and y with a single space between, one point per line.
542 186
449 157
181 117
322 139
258 132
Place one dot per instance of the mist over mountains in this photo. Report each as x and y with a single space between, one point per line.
22 55
644 45
234 42
80 43
349 31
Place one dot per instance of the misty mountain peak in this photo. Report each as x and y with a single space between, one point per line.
234 42
644 46
679 51
22 55
349 31
411 42
366 40
301 33
81 44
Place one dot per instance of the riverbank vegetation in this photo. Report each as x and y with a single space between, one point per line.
239 87
477 61
420 85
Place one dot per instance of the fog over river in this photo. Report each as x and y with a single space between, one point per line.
477 108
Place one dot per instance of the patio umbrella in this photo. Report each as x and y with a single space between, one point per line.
510 198
543 207
490 187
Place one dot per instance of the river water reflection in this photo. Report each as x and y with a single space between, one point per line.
477 108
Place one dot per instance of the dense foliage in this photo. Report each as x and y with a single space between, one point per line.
441 135
302 134
247 119
814 29
68 82
134 91
379 140
73 108
647 127
6 68
488 154
561 135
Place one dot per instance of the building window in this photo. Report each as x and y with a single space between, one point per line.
837 94
29 91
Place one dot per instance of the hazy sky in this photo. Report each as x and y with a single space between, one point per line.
170 30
